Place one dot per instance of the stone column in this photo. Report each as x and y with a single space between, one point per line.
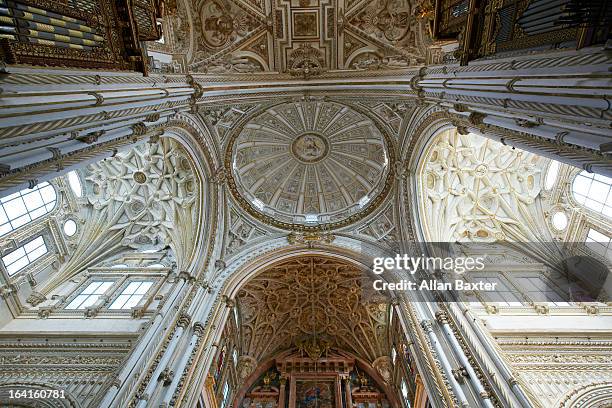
554 104
292 393
338 391
484 395
347 392
559 87
281 397
198 331
126 379
183 321
433 338
557 148
55 120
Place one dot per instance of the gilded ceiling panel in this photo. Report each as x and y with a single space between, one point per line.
312 297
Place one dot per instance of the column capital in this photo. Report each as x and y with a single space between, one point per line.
442 317
184 320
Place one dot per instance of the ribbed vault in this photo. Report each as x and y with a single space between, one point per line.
312 296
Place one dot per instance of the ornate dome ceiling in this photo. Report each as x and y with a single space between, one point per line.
309 164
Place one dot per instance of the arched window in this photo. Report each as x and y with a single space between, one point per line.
26 205
594 192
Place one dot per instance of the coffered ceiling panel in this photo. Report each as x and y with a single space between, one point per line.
301 37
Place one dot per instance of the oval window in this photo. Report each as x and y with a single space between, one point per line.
70 228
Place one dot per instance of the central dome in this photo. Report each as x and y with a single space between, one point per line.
309 163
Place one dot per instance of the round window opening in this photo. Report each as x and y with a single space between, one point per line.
70 228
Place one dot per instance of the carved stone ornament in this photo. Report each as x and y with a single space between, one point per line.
309 295
36 298
476 189
246 366
384 367
300 37
305 62
148 190
279 164
310 238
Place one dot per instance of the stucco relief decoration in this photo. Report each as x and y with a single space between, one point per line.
137 198
306 61
301 38
476 189
384 367
246 366
220 23
292 300
391 23
386 19
145 192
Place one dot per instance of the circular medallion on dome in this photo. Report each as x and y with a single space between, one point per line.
310 147
309 164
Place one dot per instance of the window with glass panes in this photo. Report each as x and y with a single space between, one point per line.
24 255
25 206
131 295
594 192
503 295
89 295
600 243
538 289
